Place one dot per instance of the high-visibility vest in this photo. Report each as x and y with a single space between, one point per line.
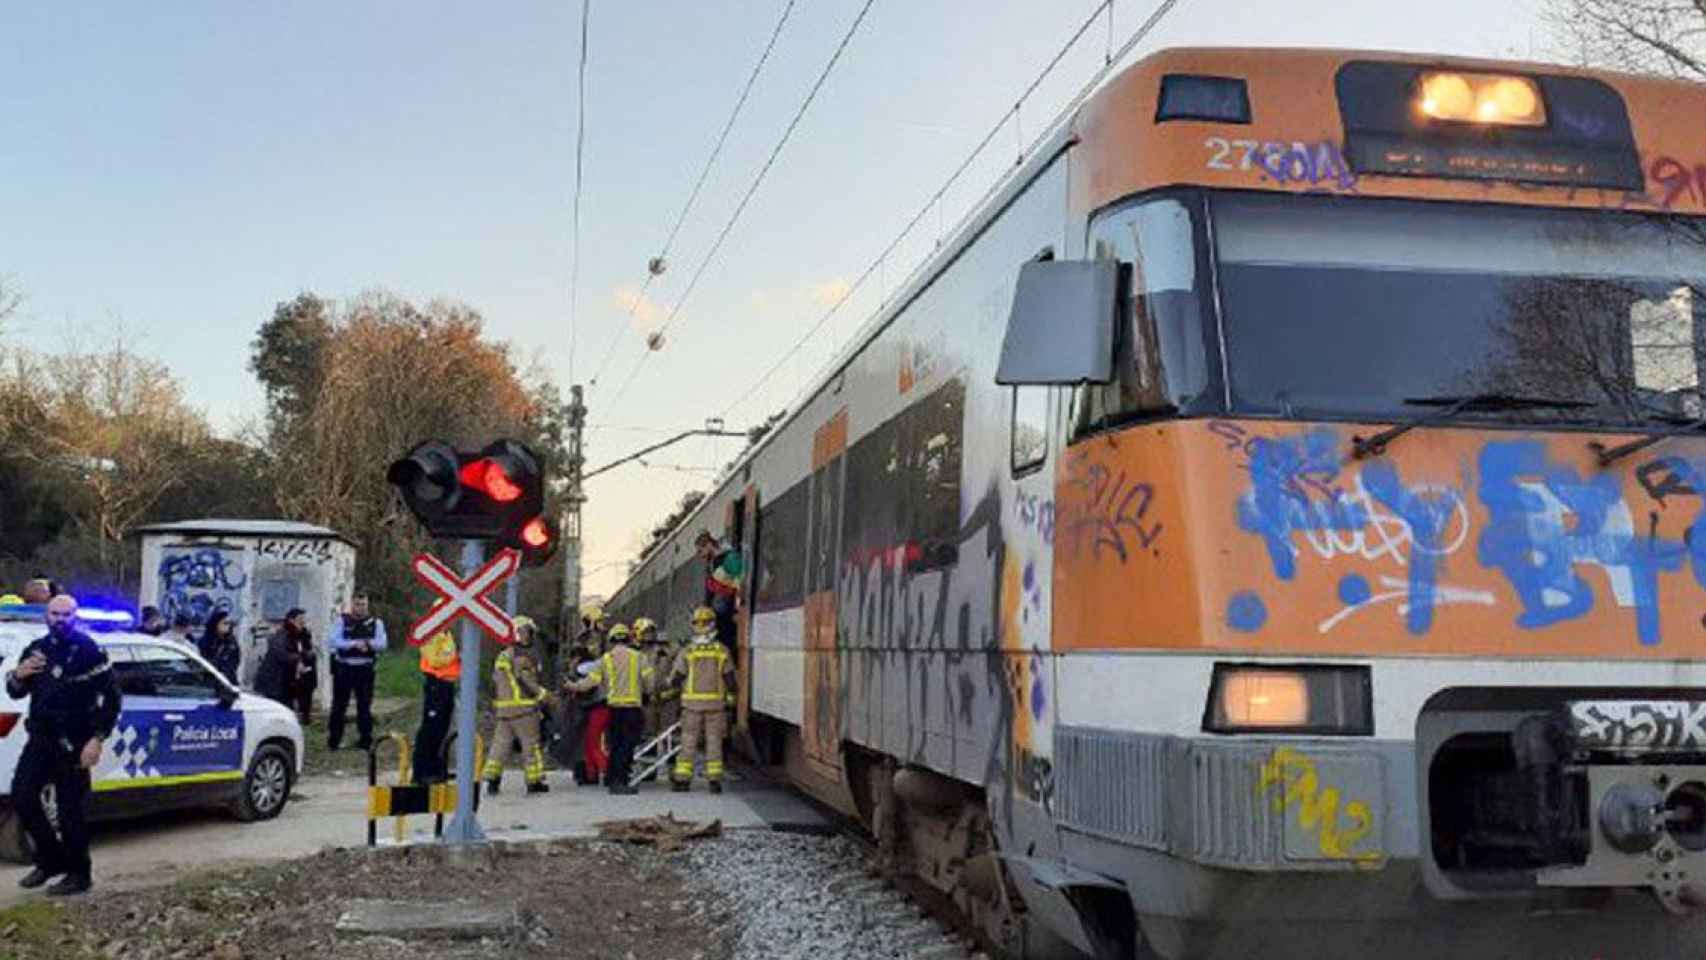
622 683
509 690
707 664
439 658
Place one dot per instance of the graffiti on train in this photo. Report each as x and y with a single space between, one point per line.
925 660
1638 724
198 581
1295 786
1105 509
1522 526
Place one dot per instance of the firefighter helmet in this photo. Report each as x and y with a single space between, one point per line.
645 629
704 616
619 633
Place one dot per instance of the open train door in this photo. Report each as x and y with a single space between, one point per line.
742 532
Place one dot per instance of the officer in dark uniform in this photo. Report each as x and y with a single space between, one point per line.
73 706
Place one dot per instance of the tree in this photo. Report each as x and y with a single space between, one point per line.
288 356
10 300
1666 37
381 375
105 431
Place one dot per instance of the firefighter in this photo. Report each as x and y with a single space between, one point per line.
706 674
441 668
518 702
626 677
594 626
651 647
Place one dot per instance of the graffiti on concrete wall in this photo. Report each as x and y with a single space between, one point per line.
199 580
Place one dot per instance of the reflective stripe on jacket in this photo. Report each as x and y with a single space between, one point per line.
516 685
706 667
622 671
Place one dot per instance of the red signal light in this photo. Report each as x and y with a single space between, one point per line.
536 533
488 477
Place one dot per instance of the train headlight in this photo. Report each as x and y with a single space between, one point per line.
1481 98
1291 698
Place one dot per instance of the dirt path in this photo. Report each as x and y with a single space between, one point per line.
573 899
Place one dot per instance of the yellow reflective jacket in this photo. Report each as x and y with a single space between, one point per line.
624 673
515 679
707 673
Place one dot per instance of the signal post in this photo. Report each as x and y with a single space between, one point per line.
495 494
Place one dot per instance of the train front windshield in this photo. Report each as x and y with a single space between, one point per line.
1346 308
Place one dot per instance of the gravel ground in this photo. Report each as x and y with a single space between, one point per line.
753 895
808 897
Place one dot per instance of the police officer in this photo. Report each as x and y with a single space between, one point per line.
358 637
518 703
706 672
73 705
626 676
441 667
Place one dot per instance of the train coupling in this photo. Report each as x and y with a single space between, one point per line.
1643 766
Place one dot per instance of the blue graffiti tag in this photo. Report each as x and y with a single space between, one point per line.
1545 522
1295 489
1278 504
1429 514
199 583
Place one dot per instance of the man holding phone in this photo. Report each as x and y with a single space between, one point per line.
73 706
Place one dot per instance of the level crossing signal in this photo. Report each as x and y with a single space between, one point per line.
496 493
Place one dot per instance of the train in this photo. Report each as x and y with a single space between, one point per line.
1270 526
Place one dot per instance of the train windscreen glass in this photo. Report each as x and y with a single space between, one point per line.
1348 308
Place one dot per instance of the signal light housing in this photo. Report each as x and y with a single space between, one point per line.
490 494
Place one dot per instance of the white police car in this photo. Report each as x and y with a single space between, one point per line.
184 738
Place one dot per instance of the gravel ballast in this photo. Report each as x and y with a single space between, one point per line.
796 896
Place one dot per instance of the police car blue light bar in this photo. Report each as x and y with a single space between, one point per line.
116 616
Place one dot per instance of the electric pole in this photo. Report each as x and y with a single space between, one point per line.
572 517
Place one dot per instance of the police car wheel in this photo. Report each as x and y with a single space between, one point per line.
266 786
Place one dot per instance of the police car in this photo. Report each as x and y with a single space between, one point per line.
185 736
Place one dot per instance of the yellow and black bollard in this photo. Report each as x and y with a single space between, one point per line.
400 799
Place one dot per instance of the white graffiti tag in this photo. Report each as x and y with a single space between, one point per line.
1398 592
1384 536
1639 724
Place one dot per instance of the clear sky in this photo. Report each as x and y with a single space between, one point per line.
179 168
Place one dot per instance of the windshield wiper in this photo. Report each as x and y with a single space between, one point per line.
1610 455
1451 406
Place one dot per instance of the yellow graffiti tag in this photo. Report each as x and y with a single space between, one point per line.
1317 806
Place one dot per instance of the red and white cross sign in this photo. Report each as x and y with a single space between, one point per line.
464 598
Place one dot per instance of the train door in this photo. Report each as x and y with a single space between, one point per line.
1026 611
821 726
743 533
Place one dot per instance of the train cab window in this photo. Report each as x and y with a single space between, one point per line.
1161 358
1029 442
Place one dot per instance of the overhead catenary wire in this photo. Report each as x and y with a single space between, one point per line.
1011 115
698 186
575 217
757 181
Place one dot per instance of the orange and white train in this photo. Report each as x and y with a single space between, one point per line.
1272 527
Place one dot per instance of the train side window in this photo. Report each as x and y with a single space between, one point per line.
1029 440
782 550
1161 362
